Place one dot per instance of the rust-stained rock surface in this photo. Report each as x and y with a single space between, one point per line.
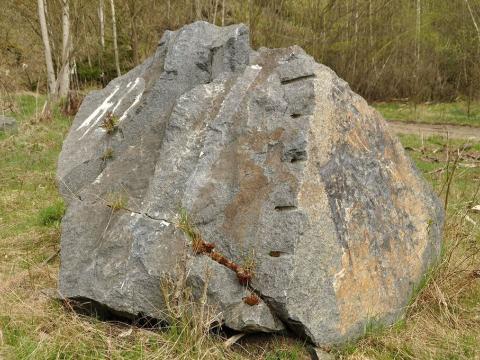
278 163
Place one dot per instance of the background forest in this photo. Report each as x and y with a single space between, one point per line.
415 50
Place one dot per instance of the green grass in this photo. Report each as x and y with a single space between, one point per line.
442 320
456 113
52 215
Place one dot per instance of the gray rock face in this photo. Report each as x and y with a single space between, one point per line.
7 124
275 159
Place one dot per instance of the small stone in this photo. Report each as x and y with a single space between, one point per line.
7 124
319 354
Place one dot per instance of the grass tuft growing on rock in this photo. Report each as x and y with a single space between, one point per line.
117 201
110 123
107 154
199 246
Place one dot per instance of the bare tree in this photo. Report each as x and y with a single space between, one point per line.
473 19
223 12
101 19
215 13
115 44
134 8
198 10
418 25
52 89
63 79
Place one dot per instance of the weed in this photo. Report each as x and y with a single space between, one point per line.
72 103
249 264
46 114
190 322
52 214
117 201
110 123
107 154
199 246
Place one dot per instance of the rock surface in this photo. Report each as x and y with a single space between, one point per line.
7 124
275 159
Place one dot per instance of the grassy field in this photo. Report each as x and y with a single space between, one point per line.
457 113
442 321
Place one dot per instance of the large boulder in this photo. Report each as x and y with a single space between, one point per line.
278 164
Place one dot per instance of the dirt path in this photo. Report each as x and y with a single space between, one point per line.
453 131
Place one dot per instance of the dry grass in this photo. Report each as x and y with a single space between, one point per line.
117 201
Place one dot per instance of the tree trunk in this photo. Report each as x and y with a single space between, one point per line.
64 75
417 29
101 18
168 11
198 10
215 13
134 34
48 53
115 45
473 19
355 39
416 90
223 12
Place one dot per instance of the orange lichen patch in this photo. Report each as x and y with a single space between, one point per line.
259 139
358 141
373 279
251 299
242 213
374 284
